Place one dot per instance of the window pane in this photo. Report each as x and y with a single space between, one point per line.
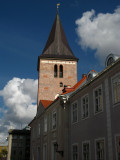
61 71
86 151
74 112
45 124
98 100
75 152
54 120
55 70
100 150
85 107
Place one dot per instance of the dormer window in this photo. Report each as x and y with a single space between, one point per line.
111 58
55 70
91 75
110 61
61 71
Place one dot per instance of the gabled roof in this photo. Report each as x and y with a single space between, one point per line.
45 103
57 46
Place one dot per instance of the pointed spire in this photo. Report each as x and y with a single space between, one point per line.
57 45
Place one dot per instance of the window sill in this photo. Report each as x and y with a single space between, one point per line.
84 118
116 104
54 130
98 112
45 133
74 122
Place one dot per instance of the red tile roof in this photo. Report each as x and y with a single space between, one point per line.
68 90
46 103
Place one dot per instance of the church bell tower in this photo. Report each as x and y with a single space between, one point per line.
57 65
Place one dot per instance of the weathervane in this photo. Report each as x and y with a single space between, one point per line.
58 4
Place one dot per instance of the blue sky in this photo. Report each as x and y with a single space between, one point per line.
24 29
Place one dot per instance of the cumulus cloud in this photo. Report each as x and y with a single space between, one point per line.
20 96
100 32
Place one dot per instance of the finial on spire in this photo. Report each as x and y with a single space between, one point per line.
58 4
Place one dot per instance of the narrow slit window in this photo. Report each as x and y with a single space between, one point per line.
55 70
61 71
61 84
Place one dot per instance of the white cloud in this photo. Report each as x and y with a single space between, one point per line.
100 32
20 96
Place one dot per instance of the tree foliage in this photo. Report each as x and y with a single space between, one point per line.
3 154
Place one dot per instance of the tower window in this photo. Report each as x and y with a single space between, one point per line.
61 71
61 84
55 70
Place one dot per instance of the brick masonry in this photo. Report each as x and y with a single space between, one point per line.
48 85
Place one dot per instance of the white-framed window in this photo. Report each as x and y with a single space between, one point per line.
45 152
38 129
54 153
117 142
45 123
86 150
54 119
98 101
75 152
74 112
85 107
116 89
100 150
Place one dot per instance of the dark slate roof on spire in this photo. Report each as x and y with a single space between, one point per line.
57 45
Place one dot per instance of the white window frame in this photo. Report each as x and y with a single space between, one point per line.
44 153
72 112
52 150
75 144
113 96
85 142
53 120
97 112
96 140
45 124
84 117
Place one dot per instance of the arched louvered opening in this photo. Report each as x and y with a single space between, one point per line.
55 70
61 71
